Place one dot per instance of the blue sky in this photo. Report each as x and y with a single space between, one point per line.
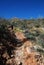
21 8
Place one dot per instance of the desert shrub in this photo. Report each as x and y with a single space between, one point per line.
40 50
40 40
36 33
37 25
30 36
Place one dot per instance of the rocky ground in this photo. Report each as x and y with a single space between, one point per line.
25 54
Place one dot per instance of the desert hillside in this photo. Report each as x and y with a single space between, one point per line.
21 41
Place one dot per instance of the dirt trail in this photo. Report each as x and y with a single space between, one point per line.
26 54
20 35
